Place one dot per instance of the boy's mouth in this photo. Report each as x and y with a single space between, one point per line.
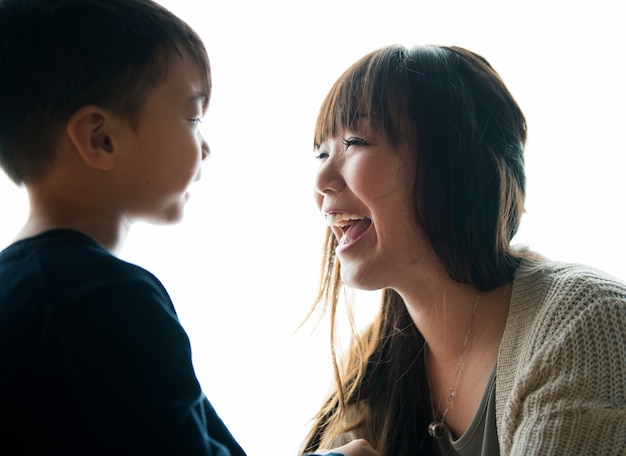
352 225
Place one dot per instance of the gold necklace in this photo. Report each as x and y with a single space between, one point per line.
436 429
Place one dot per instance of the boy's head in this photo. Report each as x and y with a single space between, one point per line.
59 55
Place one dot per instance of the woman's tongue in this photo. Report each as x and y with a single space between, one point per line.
356 229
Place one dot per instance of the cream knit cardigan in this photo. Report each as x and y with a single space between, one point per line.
561 375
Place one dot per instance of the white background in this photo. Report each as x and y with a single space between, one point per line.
242 267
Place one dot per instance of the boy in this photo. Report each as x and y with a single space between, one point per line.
99 106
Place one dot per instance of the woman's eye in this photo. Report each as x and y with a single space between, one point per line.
353 141
196 120
321 155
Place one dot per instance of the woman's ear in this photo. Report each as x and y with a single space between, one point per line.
91 131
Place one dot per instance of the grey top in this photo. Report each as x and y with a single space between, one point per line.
481 438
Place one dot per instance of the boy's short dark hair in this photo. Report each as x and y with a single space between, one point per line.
59 55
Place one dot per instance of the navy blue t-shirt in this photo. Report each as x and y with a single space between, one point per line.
93 359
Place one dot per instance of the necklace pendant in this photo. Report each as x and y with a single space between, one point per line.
436 430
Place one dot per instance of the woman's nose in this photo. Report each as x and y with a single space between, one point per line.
329 179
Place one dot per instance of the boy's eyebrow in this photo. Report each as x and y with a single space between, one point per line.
201 97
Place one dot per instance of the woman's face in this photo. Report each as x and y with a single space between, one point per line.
364 189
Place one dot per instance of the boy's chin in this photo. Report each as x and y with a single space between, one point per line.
170 216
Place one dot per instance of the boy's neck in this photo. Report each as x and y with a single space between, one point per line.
76 197
108 230
111 241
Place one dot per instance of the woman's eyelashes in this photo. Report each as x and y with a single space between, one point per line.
319 155
347 142
195 120
353 141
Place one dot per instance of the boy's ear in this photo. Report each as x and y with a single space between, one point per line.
91 131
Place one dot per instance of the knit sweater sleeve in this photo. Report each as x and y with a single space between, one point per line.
563 385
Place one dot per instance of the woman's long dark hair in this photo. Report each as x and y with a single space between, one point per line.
468 135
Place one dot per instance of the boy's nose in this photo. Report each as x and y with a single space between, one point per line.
206 150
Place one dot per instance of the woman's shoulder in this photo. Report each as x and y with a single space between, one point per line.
562 353
556 282
551 299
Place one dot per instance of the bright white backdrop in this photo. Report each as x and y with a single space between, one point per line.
242 267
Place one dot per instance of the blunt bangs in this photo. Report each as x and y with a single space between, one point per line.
370 91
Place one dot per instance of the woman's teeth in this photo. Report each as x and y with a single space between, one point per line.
342 219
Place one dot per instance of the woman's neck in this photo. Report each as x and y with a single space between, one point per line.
463 328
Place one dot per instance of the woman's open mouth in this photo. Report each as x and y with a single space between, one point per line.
352 226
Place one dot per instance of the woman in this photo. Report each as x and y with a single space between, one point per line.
479 348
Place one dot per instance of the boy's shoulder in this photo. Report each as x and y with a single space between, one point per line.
60 248
66 263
